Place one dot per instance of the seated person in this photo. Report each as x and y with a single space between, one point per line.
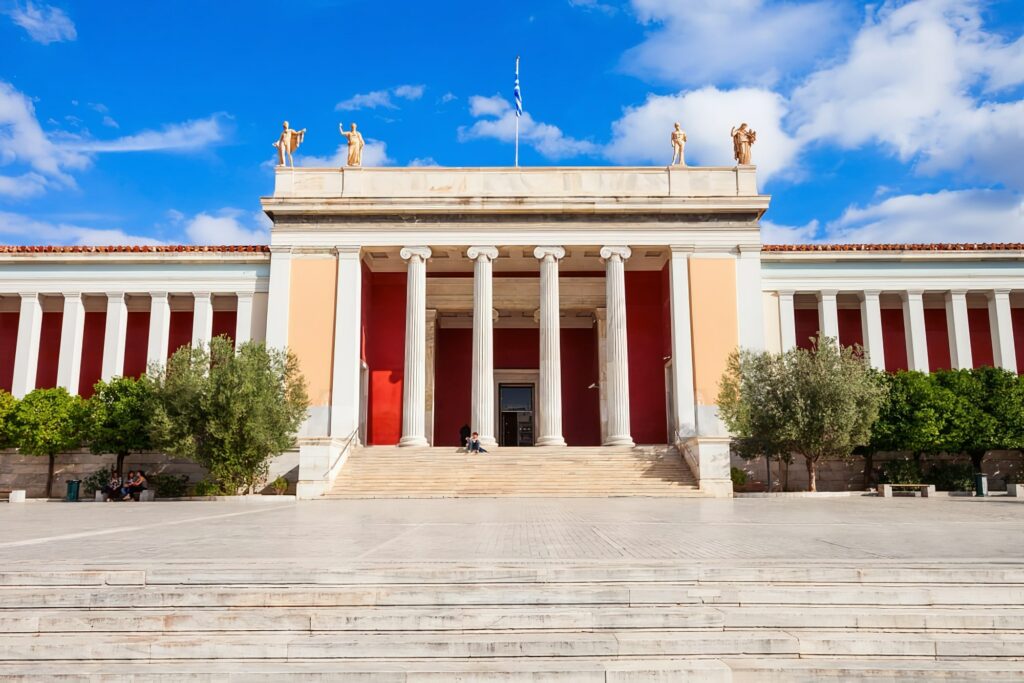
113 487
474 444
135 485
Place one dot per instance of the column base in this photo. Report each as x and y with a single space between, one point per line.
413 441
488 442
623 440
550 441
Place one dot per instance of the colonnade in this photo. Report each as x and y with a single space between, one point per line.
957 325
69 365
549 391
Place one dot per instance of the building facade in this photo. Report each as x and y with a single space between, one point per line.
539 306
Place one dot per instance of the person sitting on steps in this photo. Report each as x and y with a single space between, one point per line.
113 488
135 485
474 444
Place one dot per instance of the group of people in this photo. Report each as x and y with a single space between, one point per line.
125 489
471 440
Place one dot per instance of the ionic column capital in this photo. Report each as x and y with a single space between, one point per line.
541 253
482 252
611 252
408 253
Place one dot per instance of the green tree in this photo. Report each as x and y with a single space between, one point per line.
119 417
48 422
987 412
820 403
228 410
7 405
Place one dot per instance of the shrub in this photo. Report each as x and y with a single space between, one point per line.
951 476
739 477
280 486
7 405
208 487
169 485
96 481
901 471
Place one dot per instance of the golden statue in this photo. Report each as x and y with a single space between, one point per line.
288 143
742 139
678 143
355 144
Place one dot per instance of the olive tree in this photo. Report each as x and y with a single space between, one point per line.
48 422
230 411
119 417
7 405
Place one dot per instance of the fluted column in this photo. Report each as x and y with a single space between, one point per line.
482 419
549 417
72 336
618 356
1001 323
159 328
114 340
914 329
243 318
414 383
958 330
202 318
828 314
787 321
871 328
26 354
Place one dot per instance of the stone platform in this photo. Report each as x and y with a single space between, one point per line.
514 590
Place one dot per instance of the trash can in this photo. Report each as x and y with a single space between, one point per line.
980 484
73 486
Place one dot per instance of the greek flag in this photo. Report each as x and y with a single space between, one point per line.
516 95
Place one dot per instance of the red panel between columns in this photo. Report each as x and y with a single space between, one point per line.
92 352
8 346
136 346
1017 315
224 323
181 331
385 357
805 320
894 340
851 332
581 405
646 362
937 338
453 379
49 350
981 337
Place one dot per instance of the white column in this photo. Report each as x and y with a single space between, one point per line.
482 419
159 328
428 422
913 326
72 334
871 328
828 314
1001 323
414 393
787 321
279 296
618 355
202 318
114 336
685 417
959 331
345 384
243 318
749 300
550 389
601 321
26 354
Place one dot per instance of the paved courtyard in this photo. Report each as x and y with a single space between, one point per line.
337 533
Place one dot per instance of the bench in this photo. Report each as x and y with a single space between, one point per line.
147 496
924 490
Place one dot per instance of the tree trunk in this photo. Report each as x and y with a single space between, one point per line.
120 464
976 459
812 474
869 470
49 475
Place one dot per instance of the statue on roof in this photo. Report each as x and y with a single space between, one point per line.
355 144
287 144
742 139
678 143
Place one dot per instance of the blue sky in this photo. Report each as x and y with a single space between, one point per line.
153 122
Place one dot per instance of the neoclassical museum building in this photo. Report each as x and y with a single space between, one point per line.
546 307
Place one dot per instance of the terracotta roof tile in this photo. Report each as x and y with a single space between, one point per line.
130 249
939 246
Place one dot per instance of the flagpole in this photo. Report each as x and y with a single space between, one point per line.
517 142
517 113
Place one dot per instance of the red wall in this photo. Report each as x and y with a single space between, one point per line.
516 348
8 347
224 324
136 343
92 352
453 376
49 350
1017 314
981 337
181 331
806 323
385 357
581 406
646 362
893 339
937 338
850 330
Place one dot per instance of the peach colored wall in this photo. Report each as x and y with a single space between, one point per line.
714 319
311 322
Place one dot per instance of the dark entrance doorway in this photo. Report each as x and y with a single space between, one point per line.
515 407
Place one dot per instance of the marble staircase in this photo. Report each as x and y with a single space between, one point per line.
607 622
393 472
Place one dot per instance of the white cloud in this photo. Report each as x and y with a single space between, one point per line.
175 137
641 135
448 97
595 6
375 153
110 122
731 41
500 124
45 24
948 216
226 226
381 98
426 162
20 229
